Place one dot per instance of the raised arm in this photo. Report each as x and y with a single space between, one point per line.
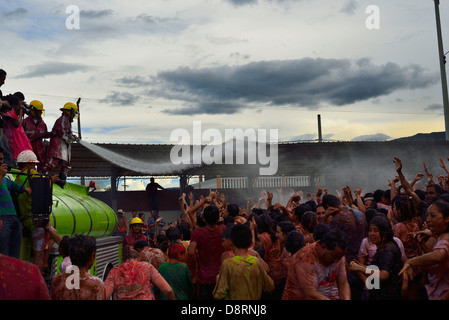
404 183
428 173
358 196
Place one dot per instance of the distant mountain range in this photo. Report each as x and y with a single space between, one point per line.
433 136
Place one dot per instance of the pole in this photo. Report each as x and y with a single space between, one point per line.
79 120
320 135
442 69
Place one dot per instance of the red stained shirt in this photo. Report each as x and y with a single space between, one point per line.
20 280
306 271
209 253
134 280
90 287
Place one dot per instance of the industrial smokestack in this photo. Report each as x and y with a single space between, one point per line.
320 135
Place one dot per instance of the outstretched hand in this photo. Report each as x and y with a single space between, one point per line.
398 164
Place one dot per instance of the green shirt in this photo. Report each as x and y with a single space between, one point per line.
178 277
242 278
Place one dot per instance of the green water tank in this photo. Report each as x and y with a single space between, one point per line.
74 211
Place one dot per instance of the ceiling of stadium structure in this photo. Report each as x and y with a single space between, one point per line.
331 158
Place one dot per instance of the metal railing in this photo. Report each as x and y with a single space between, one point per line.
263 182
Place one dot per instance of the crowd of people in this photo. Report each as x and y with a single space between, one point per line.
383 244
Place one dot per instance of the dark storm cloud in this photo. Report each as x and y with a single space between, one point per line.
53 68
133 82
306 83
120 99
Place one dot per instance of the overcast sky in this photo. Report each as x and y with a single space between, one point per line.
145 68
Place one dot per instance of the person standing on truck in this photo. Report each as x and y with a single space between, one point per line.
11 233
36 130
41 241
62 137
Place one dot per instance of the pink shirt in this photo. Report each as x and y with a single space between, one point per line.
438 274
368 250
306 271
134 280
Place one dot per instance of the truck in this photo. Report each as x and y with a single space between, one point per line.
75 212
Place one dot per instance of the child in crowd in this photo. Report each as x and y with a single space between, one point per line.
242 277
177 273
64 251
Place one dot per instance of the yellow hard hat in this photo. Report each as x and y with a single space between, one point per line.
136 221
70 106
37 105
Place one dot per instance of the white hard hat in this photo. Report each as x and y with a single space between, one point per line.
27 156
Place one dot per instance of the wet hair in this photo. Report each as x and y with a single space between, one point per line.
211 214
200 220
301 209
233 209
141 244
378 194
173 234
308 220
320 230
64 245
286 226
81 250
13 100
265 224
294 241
184 228
384 226
370 213
329 200
421 194
312 204
405 207
19 95
175 250
257 211
241 236
333 238
162 242
226 234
